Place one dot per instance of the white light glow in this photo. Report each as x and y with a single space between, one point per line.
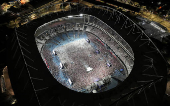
89 69
70 16
61 66
53 52
94 91
69 81
81 15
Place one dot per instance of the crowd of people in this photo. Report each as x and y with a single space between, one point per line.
119 51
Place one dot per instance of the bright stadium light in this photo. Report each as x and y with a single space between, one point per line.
70 16
81 15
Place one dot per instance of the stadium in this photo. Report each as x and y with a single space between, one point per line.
84 56
74 45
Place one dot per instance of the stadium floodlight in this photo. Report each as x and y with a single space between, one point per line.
81 15
70 16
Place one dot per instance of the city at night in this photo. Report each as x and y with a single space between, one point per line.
84 53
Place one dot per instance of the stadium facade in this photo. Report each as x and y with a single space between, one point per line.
31 70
